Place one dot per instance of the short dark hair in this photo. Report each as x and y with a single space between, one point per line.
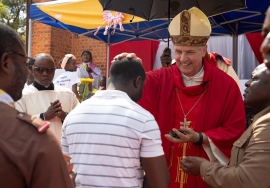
9 39
88 51
126 69
42 55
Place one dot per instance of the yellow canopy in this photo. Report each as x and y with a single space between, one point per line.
81 13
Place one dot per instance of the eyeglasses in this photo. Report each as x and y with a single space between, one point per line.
41 70
29 62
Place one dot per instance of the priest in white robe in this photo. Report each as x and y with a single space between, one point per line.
44 99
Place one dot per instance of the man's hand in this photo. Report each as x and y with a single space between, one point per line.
189 136
191 165
61 114
88 69
127 55
166 58
53 110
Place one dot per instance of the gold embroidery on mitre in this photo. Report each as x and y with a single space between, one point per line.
185 23
189 40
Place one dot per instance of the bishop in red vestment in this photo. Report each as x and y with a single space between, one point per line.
196 94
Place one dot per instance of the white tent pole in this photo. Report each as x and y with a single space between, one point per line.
30 30
108 57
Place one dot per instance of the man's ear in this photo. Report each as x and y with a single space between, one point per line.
137 82
204 50
6 63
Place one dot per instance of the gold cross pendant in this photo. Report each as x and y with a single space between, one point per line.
185 123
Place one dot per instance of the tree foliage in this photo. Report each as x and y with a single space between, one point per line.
13 13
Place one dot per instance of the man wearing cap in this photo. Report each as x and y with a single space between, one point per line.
196 97
249 164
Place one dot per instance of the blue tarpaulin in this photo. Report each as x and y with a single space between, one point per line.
235 22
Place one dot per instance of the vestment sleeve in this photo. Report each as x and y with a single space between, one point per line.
151 90
74 101
229 70
254 169
231 120
20 106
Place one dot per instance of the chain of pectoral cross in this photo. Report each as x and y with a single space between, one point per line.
187 123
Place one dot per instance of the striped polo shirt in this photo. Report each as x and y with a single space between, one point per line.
105 136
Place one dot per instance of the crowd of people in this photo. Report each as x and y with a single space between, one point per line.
184 125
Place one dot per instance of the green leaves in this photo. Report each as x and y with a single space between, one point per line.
13 13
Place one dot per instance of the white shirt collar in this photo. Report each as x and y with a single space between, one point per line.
193 80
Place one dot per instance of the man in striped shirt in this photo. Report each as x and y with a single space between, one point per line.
113 142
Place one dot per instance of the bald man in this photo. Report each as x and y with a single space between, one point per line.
44 99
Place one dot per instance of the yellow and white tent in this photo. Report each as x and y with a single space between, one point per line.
80 13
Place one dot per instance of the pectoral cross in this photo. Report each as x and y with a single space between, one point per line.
185 123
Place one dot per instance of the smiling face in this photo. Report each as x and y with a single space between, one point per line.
41 76
257 92
189 59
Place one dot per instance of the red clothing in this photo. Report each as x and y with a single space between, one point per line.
213 57
219 114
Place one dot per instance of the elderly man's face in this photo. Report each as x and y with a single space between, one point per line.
43 70
265 47
256 94
189 59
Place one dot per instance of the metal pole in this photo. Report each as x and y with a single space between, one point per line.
235 53
169 14
29 38
108 56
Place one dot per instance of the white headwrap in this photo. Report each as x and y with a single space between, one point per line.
65 59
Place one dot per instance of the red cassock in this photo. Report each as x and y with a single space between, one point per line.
219 114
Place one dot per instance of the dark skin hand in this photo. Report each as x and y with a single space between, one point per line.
191 165
74 89
88 69
55 110
166 58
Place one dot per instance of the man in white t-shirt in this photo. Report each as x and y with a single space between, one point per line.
112 141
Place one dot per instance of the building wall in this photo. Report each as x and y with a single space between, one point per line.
58 42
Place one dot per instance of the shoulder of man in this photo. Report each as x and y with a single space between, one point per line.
214 57
13 116
29 90
36 122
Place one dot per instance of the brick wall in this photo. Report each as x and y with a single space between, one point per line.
97 48
58 42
